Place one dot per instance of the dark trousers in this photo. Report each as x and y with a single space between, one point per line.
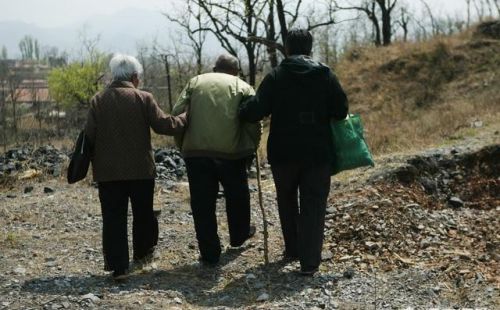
302 222
204 175
114 197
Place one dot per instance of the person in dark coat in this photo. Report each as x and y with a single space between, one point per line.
302 96
118 129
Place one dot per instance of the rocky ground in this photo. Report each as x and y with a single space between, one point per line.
418 231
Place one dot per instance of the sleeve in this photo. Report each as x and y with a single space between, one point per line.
338 104
253 129
91 124
259 106
163 123
254 132
184 99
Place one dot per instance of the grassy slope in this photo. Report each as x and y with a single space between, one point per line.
413 95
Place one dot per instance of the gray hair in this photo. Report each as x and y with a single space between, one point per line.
123 67
226 62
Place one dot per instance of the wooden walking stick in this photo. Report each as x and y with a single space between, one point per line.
262 210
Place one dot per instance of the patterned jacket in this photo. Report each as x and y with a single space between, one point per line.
118 129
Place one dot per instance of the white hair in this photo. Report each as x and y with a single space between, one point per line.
124 66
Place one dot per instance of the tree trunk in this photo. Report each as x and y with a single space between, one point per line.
497 5
249 46
386 27
4 120
468 12
376 26
252 67
14 119
282 20
271 33
58 120
386 8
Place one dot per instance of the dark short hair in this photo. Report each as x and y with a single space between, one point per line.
226 62
299 42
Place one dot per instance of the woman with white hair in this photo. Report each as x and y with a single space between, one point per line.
118 129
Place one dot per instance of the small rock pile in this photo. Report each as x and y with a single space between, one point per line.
489 29
169 164
43 160
26 162
439 209
455 178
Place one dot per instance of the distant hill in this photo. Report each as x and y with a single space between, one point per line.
119 32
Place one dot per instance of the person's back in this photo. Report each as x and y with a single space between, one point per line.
301 111
216 147
301 96
118 131
215 129
123 114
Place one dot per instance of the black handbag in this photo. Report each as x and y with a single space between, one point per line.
80 159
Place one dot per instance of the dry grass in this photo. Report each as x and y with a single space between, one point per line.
412 95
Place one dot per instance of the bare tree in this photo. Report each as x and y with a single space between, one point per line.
386 7
271 34
404 20
478 6
29 47
379 12
143 58
327 44
489 7
4 54
230 26
13 82
468 12
190 19
4 70
497 5
288 13
255 26
34 91
436 29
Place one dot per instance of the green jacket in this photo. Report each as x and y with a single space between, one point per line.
214 129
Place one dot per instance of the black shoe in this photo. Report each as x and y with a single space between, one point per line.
120 275
208 263
288 257
251 233
147 259
308 272
156 213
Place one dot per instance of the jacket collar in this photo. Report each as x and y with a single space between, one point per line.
121 84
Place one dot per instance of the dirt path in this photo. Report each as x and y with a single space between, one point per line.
390 242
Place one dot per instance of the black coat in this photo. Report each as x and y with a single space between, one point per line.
302 96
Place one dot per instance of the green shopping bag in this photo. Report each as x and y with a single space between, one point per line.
350 148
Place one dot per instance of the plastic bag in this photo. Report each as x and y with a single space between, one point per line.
350 148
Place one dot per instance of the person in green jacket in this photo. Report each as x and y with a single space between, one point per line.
216 147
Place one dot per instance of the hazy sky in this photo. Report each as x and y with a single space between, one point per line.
52 13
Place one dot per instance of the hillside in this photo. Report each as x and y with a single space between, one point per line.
412 95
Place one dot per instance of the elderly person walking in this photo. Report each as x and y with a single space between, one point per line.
302 96
118 129
216 147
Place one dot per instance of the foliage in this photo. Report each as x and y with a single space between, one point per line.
76 83
3 53
29 47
